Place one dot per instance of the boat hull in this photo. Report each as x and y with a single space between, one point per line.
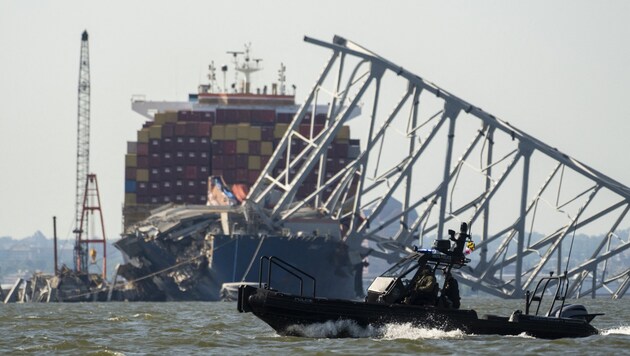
284 311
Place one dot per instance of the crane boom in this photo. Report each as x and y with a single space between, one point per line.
83 147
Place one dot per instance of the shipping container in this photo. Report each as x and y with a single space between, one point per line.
242 146
130 186
132 147
168 130
130 173
241 175
180 129
142 175
253 162
217 148
254 147
143 135
241 161
204 129
279 130
242 131
229 161
217 162
218 132
155 131
131 160
230 132
255 133
266 133
229 147
266 148
130 199
143 148
252 176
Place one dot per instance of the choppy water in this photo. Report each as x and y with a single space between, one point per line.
217 328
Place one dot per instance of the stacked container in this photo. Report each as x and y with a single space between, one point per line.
176 152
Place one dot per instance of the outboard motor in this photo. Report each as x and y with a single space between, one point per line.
575 311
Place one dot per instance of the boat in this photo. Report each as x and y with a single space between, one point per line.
385 303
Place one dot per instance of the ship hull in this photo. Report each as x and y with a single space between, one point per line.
196 267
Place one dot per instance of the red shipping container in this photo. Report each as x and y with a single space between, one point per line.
130 173
229 147
203 129
180 129
143 149
252 176
284 118
243 115
217 162
254 148
241 175
217 172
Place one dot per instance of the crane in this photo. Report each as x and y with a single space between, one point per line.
87 196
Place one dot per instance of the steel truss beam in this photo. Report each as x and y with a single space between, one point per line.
523 232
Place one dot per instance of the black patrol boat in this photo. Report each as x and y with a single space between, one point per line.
388 300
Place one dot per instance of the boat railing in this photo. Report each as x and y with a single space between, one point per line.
287 267
562 289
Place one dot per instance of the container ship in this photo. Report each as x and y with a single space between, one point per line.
185 235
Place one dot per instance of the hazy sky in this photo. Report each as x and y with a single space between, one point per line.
559 70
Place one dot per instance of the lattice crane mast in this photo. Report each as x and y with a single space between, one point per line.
87 198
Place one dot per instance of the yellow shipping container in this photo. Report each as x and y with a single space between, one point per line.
131 160
155 131
230 132
170 116
343 134
159 118
142 175
253 162
266 148
242 131
143 135
279 130
255 133
218 132
242 146
130 199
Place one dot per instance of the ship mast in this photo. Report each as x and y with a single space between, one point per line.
246 67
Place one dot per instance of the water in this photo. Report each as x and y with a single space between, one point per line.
217 328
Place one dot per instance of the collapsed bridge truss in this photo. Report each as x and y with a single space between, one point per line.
533 209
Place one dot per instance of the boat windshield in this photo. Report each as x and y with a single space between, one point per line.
403 267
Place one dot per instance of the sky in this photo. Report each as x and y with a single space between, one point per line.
558 70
